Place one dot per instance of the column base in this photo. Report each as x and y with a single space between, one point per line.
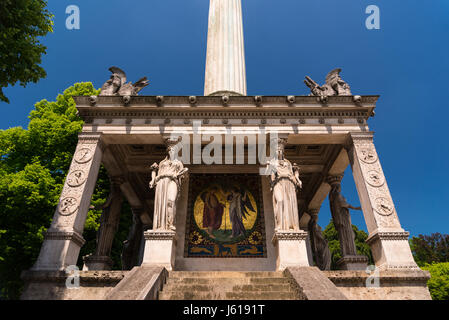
352 263
160 247
92 262
59 250
391 250
291 249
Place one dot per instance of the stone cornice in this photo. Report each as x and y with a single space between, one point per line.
244 107
218 101
388 236
289 236
65 235
160 235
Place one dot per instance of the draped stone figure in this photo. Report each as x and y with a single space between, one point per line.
167 178
284 183
342 219
320 246
131 245
109 221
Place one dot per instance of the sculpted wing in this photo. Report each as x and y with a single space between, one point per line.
139 85
120 73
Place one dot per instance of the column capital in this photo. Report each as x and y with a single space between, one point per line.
91 138
117 181
138 211
313 212
358 137
334 179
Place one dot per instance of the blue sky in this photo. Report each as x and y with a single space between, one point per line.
406 62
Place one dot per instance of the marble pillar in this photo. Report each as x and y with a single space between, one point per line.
225 61
63 240
388 241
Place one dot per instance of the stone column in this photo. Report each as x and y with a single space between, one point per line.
63 240
225 62
388 241
341 216
109 223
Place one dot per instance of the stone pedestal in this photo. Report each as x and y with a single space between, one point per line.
92 262
291 249
392 250
352 263
160 248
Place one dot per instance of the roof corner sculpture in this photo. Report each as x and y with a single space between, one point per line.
117 86
334 86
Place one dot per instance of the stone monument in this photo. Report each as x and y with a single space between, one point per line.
229 213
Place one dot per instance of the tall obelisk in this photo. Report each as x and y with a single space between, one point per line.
225 62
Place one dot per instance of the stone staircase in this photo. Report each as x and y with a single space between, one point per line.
228 285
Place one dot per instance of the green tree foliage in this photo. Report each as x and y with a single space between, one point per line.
22 22
430 249
331 235
33 166
439 281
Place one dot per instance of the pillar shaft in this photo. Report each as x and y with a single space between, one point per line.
388 241
225 62
110 219
63 239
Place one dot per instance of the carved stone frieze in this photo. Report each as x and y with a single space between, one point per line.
289 235
384 206
375 178
388 236
68 206
367 154
83 155
76 178
159 235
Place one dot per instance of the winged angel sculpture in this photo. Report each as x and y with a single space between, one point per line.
334 86
117 86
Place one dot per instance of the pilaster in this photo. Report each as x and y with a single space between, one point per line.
63 240
388 241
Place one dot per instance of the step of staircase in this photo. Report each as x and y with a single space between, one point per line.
226 285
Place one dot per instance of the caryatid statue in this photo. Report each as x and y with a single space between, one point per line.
167 178
341 217
320 246
284 183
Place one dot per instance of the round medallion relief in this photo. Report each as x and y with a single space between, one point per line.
375 178
83 155
384 206
76 178
367 155
68 206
